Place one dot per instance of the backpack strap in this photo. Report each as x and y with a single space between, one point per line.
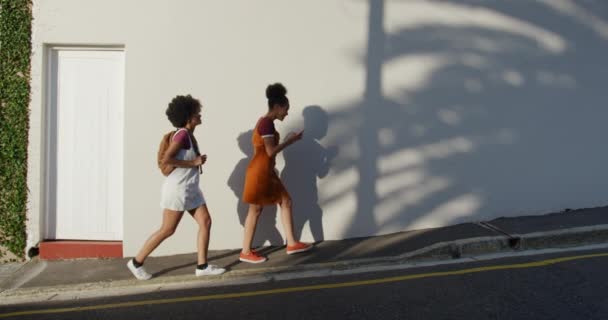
193 145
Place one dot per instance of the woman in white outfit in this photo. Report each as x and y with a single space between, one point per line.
181 191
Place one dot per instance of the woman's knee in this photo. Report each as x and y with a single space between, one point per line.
255 210
286 203
166 232
205 221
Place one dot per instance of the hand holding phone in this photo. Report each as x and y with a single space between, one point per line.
294 136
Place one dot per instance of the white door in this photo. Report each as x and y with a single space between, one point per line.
86 144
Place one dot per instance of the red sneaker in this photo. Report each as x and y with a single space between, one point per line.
252 257
299 247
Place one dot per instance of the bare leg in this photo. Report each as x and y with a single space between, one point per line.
170 221
202 217
287 219
250 223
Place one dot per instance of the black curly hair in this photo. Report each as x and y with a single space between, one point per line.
276 94
181 109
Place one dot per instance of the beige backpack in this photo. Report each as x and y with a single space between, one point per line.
164 145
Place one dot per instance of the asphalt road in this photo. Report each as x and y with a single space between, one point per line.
575 286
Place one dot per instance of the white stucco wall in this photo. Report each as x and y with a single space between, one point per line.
437 112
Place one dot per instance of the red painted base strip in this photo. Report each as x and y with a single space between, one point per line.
70 249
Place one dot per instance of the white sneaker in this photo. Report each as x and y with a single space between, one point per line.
211 270
139 273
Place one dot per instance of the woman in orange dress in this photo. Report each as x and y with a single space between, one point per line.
262 184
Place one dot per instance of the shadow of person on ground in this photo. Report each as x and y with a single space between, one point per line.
191 264
305 161
266 229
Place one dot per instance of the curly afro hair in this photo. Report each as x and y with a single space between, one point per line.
276 95
181 109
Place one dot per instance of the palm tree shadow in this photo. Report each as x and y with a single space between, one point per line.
305 161
266 231
464 121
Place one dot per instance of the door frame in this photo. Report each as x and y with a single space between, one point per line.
49 139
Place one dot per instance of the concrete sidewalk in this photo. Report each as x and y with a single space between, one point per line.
42 280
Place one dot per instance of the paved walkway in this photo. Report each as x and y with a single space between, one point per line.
557 230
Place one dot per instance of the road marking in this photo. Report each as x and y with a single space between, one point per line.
535 264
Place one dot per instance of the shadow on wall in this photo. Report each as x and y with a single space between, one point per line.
266 230
472 110
305 161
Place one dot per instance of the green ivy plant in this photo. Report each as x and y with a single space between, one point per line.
15 51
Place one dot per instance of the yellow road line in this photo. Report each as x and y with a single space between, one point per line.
304 288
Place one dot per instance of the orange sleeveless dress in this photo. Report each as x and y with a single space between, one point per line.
262 184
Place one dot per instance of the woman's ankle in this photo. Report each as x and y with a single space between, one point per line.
137 263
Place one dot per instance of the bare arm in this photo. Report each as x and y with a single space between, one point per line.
169 157
272 149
